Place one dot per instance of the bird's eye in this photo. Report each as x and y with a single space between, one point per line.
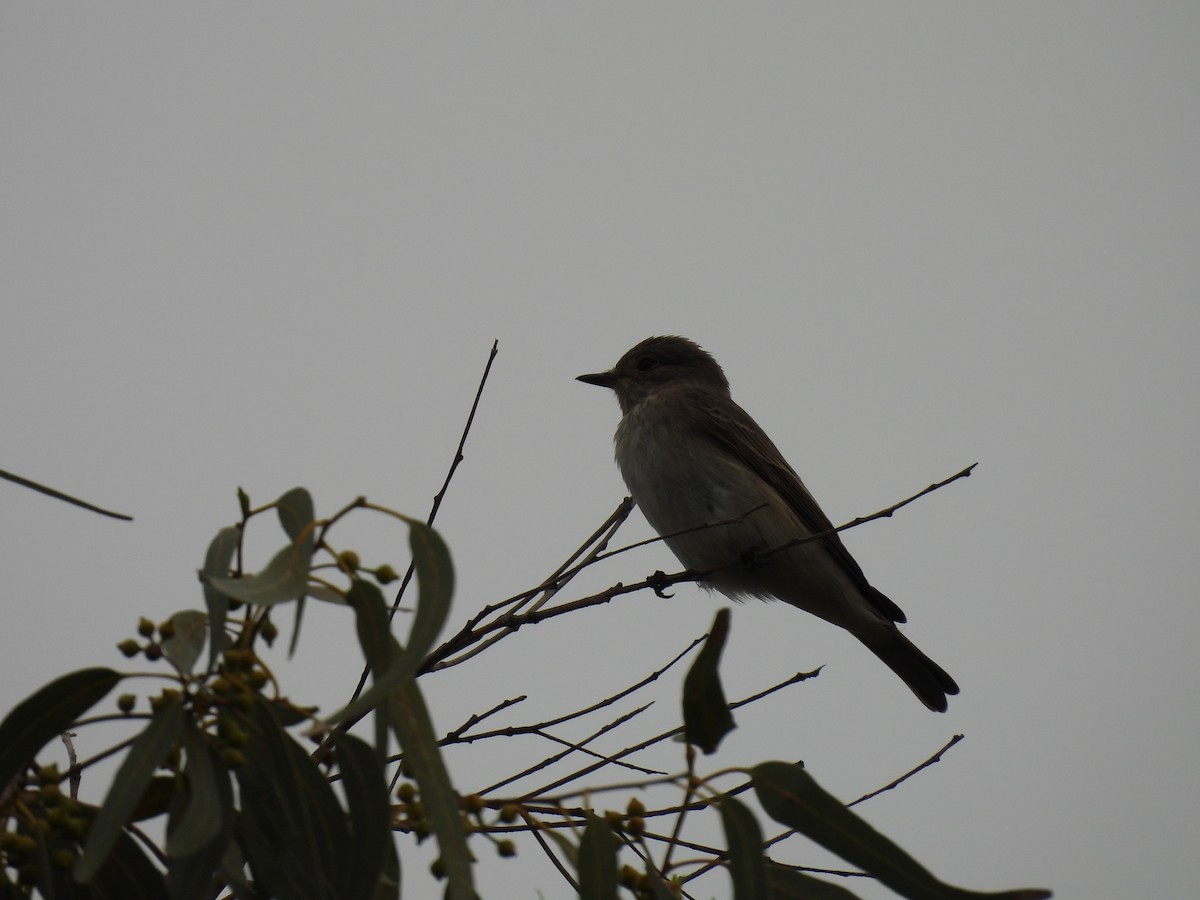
646 363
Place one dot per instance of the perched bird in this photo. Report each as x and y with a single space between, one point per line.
692 457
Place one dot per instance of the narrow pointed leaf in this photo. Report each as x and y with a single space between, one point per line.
388 886
370 815
232 872
325 593
129 874
791 796
295 831
747 865
295 641
706 715
787 883
414 731
183 648
216 565
130 782
48 712
435 581
379 648
597 861
205 812
191 877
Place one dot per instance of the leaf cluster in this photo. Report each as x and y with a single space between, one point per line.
247 812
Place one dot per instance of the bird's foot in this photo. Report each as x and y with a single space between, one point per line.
658 583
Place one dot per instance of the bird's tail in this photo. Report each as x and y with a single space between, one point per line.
926 678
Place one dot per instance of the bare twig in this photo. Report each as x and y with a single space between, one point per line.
937 757
536 828
458 458
433 511
457 736
72 761
478 630
551 760
882 514
440 658
538 795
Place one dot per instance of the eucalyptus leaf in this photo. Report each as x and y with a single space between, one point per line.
130 782
48 712
217 561
790 795
184 646
597 860
706 715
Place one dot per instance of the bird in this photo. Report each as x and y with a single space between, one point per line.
721 495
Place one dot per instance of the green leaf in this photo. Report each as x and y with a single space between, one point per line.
128 874
216 565
183 648
747 865
232 872
283 579
435 580
206 810
295 641
190 876
410 721
706 715
371 621
47 713
388 886
325 593
786 883
597 861
292 828
295 510
791 796
130 782
370 816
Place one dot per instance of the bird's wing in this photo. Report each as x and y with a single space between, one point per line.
731 428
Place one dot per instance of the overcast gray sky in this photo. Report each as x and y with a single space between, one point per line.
271 244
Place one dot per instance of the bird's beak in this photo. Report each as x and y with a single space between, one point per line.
601 379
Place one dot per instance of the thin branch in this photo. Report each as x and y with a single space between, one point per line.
476 630
537 795
72 762
862 520
458 458
599 538
937 757
549 723
433 511
536 828
592 753
551 760
59 495
440 658
689 790
456 736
